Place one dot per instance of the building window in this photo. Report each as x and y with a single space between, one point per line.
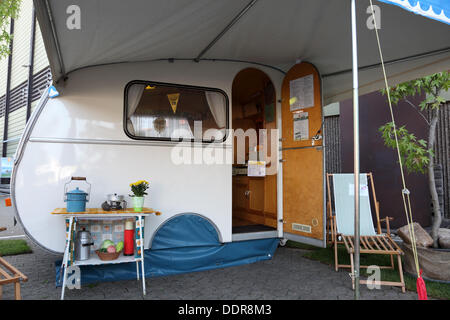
169 112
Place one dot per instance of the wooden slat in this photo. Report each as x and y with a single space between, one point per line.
330 208
5 275
346 244
100 211
13 269
63 211
363 243
368 242
10 280
363 267
17 291
377 212
387 242
351 240
383 283
395 244
375 242
379 251
381 242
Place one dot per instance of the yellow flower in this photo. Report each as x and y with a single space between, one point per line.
139 182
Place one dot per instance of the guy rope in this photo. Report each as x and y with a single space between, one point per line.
421 289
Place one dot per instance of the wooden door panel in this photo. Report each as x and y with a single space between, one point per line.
303 191
303 180
314 113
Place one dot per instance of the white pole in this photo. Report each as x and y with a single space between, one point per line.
355 145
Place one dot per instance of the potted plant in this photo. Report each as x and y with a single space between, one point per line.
139 189
418 156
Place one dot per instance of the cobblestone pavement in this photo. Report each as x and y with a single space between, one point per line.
287 276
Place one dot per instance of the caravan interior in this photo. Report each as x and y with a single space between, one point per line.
253 109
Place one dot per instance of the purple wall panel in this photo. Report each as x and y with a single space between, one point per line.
382 161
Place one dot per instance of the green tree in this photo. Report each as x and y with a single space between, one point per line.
9 9
417 155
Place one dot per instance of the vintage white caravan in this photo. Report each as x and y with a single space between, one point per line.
230 64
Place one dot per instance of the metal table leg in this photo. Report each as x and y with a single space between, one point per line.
137 270
142 254
66 256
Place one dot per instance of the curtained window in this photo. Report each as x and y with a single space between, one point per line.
173 112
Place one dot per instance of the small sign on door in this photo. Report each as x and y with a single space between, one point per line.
256 168
301 126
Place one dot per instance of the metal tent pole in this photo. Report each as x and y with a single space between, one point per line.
355 145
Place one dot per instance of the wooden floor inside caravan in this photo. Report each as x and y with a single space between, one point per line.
249 227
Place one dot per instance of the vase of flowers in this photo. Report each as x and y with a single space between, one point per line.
139 191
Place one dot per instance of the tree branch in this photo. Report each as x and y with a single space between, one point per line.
412 105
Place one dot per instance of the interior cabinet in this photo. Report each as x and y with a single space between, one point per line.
248 199
256 194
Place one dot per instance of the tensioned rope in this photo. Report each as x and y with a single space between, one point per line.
405 191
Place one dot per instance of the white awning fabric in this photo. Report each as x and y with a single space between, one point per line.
433 9
269 32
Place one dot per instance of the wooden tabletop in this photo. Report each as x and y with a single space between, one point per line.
100 211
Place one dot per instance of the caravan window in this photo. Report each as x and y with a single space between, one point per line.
160 111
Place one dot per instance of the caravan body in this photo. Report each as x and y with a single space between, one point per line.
81 133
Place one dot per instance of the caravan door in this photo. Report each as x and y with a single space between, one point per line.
302 156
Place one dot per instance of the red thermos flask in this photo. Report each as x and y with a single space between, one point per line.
128 238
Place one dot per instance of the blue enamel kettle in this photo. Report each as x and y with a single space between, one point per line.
76 199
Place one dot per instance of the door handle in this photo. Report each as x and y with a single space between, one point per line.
247 194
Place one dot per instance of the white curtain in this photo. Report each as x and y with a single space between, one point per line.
134 97
216 102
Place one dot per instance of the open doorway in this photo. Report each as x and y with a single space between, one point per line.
254 197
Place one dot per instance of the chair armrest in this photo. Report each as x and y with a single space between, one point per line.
386 220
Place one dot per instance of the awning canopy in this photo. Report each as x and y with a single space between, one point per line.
273 33
433 9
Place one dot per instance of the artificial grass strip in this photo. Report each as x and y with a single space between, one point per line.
12 247
298 245
326 255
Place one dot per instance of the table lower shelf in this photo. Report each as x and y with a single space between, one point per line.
95 260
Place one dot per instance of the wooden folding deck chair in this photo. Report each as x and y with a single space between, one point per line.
340 189
9 274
